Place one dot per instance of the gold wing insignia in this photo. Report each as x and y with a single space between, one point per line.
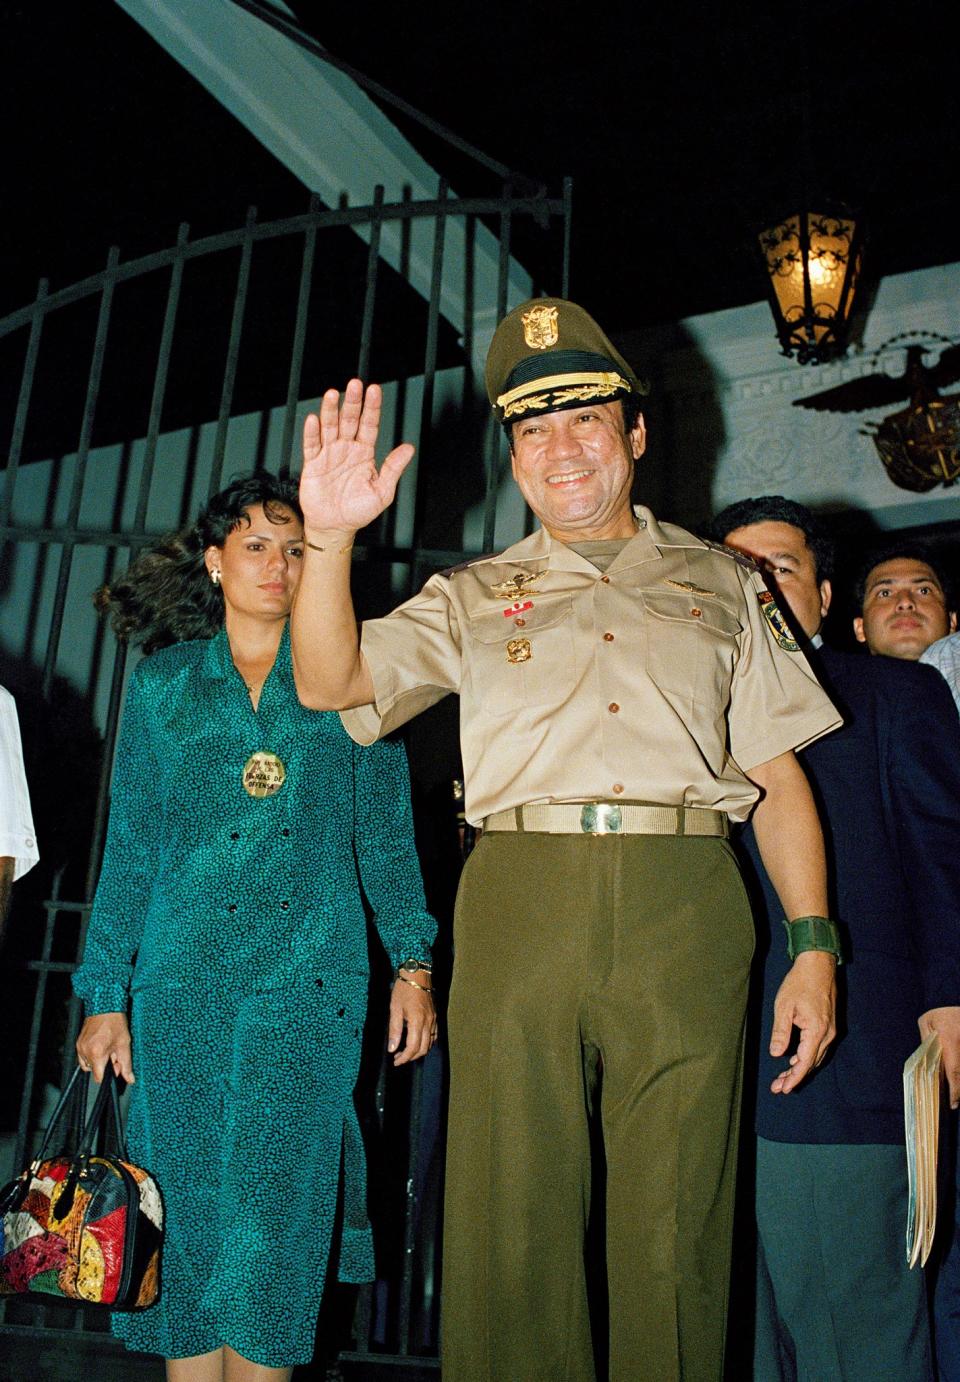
688 586
517 585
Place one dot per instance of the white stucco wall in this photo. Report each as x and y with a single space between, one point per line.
725 403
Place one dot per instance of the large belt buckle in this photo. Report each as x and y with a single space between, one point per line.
600 818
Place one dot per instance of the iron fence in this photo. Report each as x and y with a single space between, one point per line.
86 486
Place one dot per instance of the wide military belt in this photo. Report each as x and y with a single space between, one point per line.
608 818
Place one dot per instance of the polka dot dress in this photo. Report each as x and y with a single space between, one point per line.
236 923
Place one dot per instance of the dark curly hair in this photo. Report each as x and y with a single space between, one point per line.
166 595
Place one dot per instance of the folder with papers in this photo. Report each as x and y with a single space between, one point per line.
922 1080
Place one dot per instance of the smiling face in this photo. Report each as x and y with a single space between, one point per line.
259 564
781 552
575 469
904 609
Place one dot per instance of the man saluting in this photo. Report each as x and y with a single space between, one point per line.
625 690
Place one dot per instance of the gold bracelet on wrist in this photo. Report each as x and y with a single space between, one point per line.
339 550
413 984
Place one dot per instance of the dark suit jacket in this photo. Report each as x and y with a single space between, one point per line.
888 788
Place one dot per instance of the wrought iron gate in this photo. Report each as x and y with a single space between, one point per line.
84 491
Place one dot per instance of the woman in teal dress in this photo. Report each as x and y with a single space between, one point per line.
229 919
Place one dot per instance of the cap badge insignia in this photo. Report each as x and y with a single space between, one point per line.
778 625
688 587
540 328
517 585
263 774
519 650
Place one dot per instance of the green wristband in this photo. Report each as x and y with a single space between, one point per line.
813 933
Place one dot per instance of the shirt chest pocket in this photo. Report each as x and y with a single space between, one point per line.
524 658
691 643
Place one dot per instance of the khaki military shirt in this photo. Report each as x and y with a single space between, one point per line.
665 679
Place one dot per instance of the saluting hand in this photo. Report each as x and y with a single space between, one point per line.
341 489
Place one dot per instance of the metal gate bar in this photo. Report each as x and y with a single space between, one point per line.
23 403
299 341
233 354
429 381
160 378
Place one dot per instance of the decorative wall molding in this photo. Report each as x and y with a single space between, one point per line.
730 399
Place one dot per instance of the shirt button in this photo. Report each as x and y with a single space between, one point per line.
608 638
605 579
618 787
613 707
697 613
234 834
284 831
284 906
232 907
520 623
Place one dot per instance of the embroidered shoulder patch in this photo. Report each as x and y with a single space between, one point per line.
778 625
740 558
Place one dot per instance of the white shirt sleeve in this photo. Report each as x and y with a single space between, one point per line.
17 838
945 656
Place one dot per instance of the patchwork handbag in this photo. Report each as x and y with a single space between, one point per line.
83 1227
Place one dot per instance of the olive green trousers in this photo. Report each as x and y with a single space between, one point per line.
593 969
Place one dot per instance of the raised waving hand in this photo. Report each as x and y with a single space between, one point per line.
341 488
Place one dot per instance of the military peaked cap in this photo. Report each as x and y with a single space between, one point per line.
549 354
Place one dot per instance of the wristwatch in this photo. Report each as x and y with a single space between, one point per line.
411 966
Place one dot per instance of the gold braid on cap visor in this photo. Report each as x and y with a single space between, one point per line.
566 388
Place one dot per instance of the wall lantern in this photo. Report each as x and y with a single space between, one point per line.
813 264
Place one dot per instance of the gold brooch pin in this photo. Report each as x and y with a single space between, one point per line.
263 774
519 650
517 585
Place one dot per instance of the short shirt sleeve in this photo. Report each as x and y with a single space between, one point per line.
776 702
18 840
414 656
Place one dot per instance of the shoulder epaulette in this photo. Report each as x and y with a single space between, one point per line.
465 565
740 558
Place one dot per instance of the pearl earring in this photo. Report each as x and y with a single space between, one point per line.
215 575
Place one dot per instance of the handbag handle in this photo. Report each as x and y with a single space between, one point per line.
13 1194
108 1097
62 1103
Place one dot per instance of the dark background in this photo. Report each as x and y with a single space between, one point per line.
680 125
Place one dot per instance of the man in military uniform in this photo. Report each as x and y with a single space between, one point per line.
625 690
